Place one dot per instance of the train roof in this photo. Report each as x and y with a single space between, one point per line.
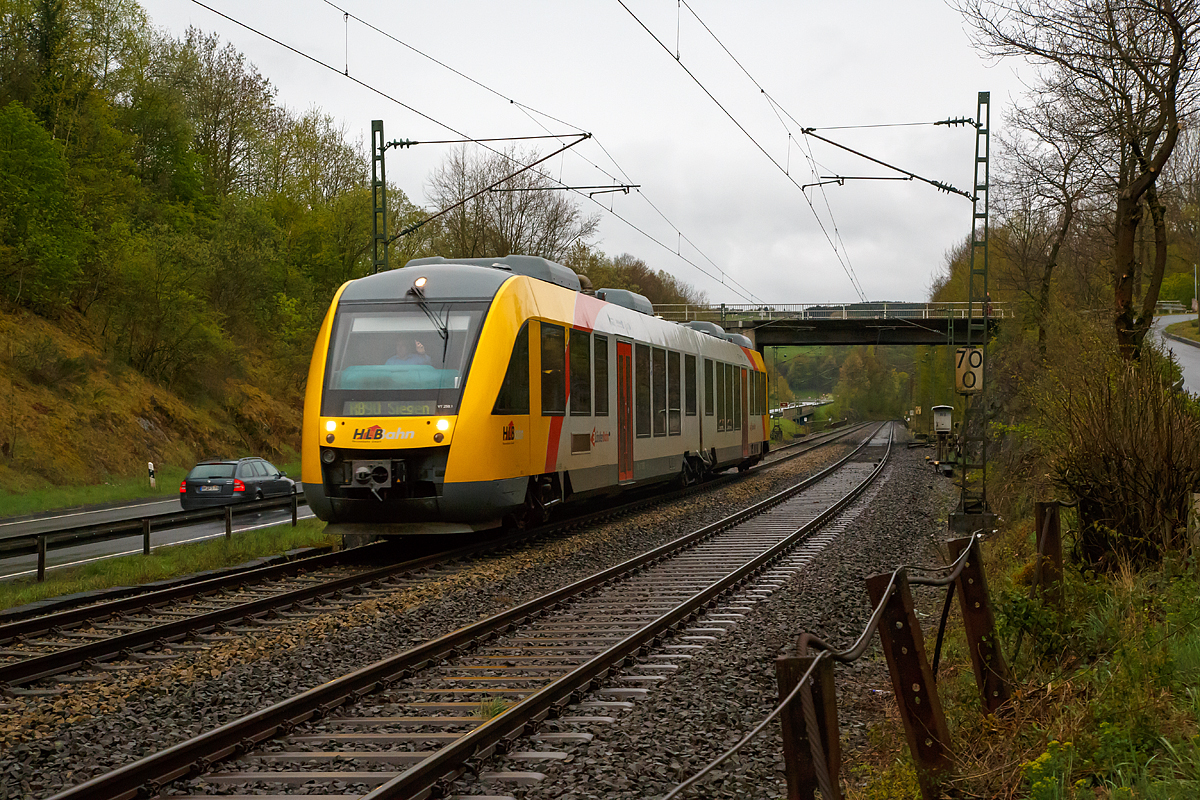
447 282
532 266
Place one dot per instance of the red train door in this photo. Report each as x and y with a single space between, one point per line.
745 418
624 411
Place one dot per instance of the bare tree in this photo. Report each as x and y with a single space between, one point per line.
1051 167
1125 69
524 215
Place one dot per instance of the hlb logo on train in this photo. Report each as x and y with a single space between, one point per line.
510 434
377 432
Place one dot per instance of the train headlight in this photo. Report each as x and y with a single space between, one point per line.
331 426
443 424
419 282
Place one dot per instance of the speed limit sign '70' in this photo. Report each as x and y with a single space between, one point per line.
968 370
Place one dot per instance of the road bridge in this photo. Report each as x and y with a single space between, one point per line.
795 325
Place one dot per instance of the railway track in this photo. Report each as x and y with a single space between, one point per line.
408 725
136 632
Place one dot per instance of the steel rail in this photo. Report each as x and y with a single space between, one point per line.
42 666
419 781
240 736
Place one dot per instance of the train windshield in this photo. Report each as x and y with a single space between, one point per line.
402 360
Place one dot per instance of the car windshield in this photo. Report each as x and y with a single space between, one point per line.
212 471
402 360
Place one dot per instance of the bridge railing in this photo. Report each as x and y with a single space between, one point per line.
725 312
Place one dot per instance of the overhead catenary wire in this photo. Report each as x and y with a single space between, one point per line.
810 130
837 252
725 279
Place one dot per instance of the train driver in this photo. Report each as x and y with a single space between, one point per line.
405 352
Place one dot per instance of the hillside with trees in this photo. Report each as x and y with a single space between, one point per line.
171 235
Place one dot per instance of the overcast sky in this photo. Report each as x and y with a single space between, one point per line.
593 66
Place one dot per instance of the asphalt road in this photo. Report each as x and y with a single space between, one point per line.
1187 355
72 556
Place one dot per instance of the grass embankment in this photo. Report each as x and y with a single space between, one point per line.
167 478
168 562
1106 700
1185 330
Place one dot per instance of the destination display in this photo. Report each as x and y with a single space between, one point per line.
386 408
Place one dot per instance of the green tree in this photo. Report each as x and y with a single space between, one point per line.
39 237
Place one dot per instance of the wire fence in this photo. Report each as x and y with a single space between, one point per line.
810 735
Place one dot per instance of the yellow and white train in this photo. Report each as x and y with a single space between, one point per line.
454 395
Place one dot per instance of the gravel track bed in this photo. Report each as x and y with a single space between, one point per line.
51 743
729 687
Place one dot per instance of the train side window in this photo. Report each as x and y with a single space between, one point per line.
752 387
720 396
739 380
674 422
766 395
709 407
728 384
658 365
554 370
689 385
600 362
581 373
514 391
641 385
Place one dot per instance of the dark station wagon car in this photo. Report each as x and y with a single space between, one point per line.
220 483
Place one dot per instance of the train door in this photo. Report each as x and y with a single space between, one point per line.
624 411
745 417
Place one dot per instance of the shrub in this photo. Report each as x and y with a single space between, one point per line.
1128 447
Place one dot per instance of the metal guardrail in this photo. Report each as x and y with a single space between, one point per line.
684 312
92 533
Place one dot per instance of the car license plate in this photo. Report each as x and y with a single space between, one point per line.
210 488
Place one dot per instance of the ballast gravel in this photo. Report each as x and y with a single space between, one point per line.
729 687
50 743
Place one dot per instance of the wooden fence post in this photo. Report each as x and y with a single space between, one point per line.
41 542
1049 544
145 536
295 505
228 522
799 767
991 672
916 694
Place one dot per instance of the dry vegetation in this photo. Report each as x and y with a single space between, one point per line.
69 415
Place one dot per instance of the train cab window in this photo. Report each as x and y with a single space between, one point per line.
739 380
720 396
709 406
658 366
581 373
641 393
689 385
600 363
674 422
391 359
514 392
554 370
